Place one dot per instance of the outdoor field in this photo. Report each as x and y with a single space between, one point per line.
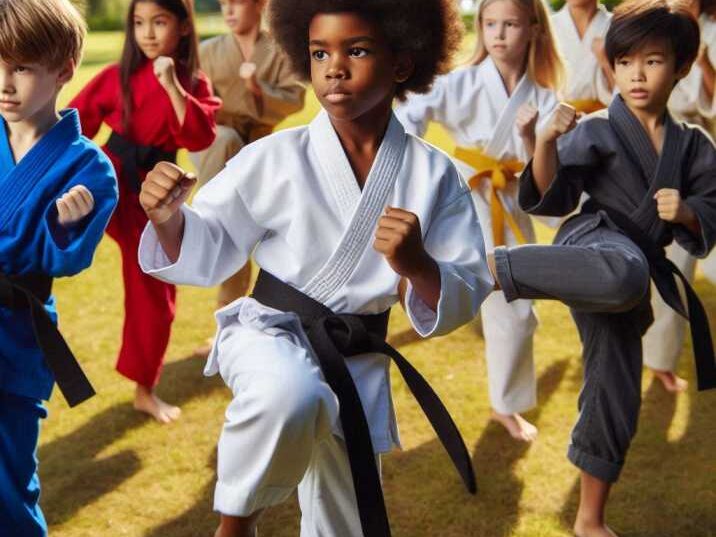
108 471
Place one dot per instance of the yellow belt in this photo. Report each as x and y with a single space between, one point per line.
587 106
499 172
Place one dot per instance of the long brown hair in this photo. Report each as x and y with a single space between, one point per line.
186 55
544 65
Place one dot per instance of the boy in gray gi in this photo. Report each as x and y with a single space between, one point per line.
650 180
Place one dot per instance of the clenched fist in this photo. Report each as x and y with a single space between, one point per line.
164 71
526 120
164 190
563 120
74 205
671 207
399 239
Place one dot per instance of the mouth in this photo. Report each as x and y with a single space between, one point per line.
337 95
9 104
638 93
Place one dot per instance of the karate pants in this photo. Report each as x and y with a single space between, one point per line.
209 163
508 329
20 514
664 341
604 278
277 436
149 304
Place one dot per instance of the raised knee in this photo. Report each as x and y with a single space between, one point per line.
630 285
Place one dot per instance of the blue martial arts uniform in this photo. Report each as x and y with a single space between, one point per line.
32 242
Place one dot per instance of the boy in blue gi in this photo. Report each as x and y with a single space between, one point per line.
57 192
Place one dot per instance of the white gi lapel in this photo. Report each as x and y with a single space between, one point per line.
506 122
371 202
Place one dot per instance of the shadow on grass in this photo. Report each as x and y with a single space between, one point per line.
72 475
424 494
668 487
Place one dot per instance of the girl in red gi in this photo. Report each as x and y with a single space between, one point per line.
155 101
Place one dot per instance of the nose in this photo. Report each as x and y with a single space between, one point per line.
149 31
637 74
501 31
6 86
337 68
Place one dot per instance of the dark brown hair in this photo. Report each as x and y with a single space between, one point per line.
186 56
47 32
636 22
430 31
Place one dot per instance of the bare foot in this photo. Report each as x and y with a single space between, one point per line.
582 529
518 427
204 350
146 401
672 382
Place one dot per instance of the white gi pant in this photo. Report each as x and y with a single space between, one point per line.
664 341
508 328
278 434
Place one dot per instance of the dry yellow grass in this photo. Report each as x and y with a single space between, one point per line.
107 471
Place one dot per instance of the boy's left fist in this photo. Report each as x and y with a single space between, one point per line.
399 239
164 70
74 205
671 207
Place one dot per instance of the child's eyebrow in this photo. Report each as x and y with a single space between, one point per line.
345 42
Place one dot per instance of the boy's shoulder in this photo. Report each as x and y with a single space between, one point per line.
212 44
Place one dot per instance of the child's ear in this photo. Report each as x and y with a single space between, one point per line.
683 71
184 29
404 67
65 74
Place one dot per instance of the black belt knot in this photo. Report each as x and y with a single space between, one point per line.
135 156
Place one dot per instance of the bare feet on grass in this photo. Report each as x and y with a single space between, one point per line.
672 382
146 401
518 427
584 529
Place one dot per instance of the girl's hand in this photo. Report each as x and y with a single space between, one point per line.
672 208
165 72
164 189
74 205
399 239
526 120
563 120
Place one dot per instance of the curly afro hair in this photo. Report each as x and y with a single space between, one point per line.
430 31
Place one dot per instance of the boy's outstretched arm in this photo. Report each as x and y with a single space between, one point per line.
545 161
399 239
164 191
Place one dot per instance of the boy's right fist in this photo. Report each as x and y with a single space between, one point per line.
164 189
563 120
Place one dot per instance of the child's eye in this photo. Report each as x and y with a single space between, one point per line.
623 63
319 55
357 52
137 23
653 62
21 69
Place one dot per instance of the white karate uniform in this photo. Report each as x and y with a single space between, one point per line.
293 200
473 105
689 102
585 78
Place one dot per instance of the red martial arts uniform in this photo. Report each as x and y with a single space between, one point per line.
149 304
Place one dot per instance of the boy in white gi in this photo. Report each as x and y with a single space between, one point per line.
336 214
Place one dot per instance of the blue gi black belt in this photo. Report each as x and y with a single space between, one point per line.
335 337
31 292
134 156
664 273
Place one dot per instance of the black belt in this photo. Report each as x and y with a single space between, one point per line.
664 273
134 156
335 337
32 291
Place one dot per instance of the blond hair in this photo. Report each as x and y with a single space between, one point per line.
48 32
544 65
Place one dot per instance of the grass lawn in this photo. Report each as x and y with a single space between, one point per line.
107 471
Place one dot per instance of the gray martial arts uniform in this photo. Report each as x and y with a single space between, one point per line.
599 272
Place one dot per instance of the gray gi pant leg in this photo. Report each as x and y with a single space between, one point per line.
604 278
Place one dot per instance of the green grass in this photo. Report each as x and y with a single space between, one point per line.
107 471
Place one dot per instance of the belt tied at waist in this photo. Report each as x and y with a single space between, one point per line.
335 337
499 172
32 291
664 273
587 106
134 156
